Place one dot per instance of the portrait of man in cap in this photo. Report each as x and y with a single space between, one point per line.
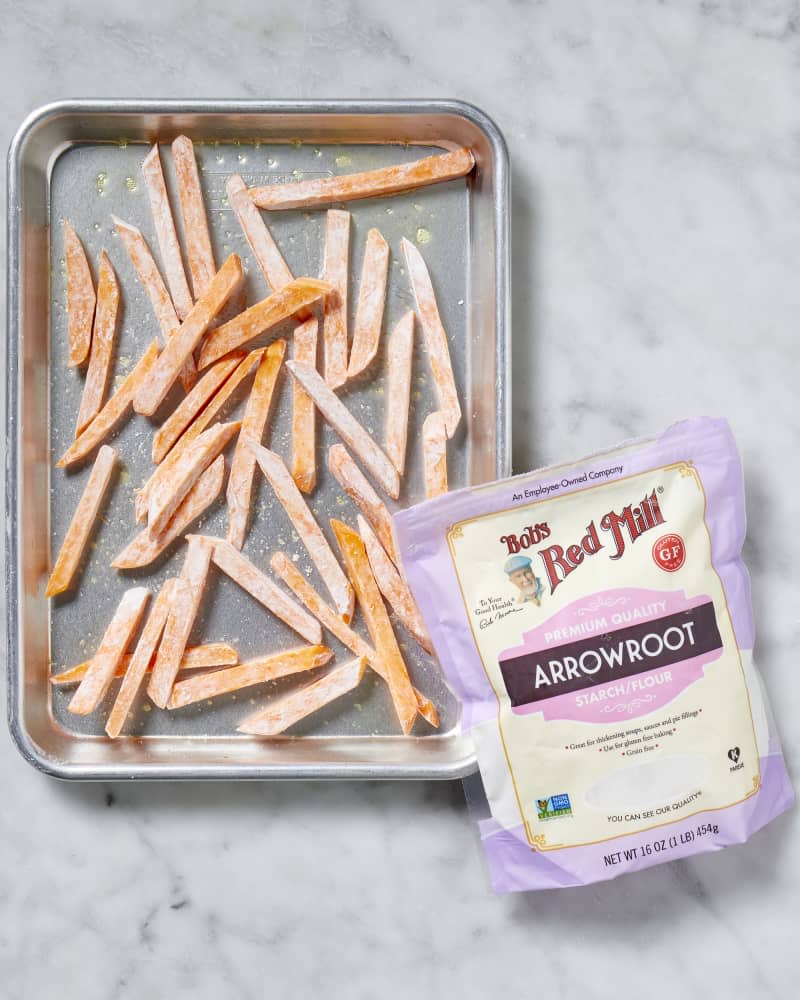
520 573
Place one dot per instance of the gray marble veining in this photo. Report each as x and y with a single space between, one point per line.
655 207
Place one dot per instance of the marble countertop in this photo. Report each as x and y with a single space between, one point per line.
654 148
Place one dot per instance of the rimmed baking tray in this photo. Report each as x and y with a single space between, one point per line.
81 161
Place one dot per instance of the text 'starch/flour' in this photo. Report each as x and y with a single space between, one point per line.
595 620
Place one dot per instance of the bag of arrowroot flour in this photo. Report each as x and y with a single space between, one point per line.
595 620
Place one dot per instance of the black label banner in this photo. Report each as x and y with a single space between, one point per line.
599 659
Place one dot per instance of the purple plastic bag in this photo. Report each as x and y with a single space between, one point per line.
595 620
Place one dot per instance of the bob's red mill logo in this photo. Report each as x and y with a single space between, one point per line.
623 527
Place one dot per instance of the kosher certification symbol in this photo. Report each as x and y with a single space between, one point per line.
669 552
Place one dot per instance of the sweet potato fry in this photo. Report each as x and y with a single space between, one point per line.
304 453
184 606
435 337
243 466
305 525
259 586
398 390
206 417
427 709
371 302
279 715
141 658
80 529
188 408
166 234
263 316
366 184
80 297
348 428
434 454
284 568
220 399
149 276
167 494
354 483
265 250
335 270
103 665
183 342
152 282
259 671
378 624
101 354
117 407
393 586
145 547
209 654
193 212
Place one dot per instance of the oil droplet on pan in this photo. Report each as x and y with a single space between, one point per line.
343 160
100 183
130 183
423 236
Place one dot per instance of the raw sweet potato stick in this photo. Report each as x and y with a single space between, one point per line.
101 354
283 567
366 184
265 250
380 628
146 547
354 435
189 407
118 406
355 485
80 529
392 585
281 714
141 659
97 679
181 344
304 413
193 212
261 318
259 586
335 270
434 454
243 465
183 611
166 234
258 671
306 526
398 390
371 302
435 337
209 654
152 282
80 297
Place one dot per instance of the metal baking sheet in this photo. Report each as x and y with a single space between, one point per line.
90 170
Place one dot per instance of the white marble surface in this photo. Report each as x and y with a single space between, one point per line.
656 203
